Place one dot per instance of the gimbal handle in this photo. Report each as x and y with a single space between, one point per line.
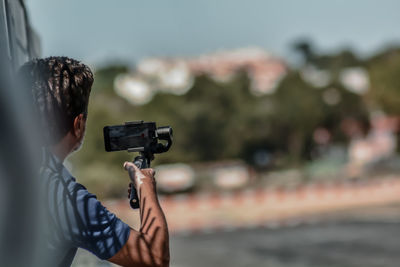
142 162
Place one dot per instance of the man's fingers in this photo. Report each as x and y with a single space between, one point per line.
132 169
130 166
149 172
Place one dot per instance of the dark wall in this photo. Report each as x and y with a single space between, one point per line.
19 42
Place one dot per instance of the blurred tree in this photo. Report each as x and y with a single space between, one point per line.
338 102
384 70
305 48
298 110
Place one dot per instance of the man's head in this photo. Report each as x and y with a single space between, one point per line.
60 88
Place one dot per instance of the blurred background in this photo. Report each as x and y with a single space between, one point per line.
285 115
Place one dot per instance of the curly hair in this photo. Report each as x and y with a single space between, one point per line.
60 89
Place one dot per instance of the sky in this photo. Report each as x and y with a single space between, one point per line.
97 31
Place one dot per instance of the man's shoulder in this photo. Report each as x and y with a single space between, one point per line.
61 188
53 172
63 184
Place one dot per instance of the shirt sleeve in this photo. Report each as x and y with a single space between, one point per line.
85 223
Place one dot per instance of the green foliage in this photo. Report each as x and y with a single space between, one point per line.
384 71
298 110
104 77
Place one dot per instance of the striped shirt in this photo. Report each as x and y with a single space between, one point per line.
75 217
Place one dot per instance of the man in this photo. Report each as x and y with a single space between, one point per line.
61 88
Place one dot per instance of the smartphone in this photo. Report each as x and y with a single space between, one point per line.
131 135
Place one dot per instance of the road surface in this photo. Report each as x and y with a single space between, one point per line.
368 237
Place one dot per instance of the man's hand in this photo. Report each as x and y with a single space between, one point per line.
138 176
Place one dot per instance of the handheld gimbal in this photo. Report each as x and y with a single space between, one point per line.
138 136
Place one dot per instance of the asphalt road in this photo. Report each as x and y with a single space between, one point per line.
341 243
329 244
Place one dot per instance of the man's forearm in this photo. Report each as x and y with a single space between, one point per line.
153 223
148 247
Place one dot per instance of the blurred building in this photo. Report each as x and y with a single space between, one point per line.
176 75
318 78
228 175
172 178
354 79
379 144
264 70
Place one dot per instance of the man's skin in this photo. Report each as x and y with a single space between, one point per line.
150 245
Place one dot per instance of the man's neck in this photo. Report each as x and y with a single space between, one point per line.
63 148
58 152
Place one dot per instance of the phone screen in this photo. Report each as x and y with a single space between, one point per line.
123 137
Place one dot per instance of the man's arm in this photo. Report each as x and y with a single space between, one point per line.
150 245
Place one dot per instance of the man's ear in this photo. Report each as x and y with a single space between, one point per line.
79 125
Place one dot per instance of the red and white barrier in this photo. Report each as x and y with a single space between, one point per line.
266 207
